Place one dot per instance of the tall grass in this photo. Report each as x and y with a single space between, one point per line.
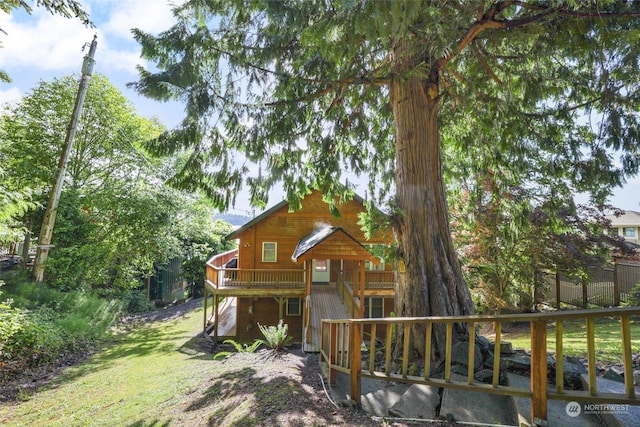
47 323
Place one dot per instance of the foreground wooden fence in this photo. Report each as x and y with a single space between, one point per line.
342 340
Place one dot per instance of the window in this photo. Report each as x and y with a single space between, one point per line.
629 231
269 252
373 307
320 265
294 307
613 231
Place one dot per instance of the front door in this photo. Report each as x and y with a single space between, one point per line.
320 271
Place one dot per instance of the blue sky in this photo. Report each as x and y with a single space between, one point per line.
42 46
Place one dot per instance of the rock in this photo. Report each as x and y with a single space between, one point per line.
483 343
484 376
611 374
506 348
636 377
348 403
460 355
419 401
517 362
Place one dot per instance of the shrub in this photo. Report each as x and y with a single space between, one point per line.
634 296
276 337
41 324
135 301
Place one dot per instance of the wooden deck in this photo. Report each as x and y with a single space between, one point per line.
325 304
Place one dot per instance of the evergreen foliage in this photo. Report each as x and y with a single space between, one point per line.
540 95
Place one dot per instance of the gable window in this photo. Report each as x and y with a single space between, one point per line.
373 307
629 231
269 252
294 307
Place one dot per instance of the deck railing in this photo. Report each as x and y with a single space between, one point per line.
346 294
374 279
219 276
341 348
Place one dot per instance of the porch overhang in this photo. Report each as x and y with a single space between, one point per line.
331 243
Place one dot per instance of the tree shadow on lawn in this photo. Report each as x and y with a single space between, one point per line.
268 393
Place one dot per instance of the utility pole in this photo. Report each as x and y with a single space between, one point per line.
44 240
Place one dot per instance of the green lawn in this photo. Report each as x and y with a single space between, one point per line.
608 339
130 383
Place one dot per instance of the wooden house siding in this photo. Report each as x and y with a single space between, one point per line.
310 234
263 311
286 228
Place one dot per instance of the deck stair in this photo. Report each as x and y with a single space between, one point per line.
325 304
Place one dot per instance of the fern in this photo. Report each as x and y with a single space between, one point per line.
276 337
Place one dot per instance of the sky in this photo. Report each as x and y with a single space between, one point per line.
42 46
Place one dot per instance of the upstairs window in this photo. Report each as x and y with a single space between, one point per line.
629 231
269 252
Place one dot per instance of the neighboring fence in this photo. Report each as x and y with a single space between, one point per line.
609 287
342 349
167 282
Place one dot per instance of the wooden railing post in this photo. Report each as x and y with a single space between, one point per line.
333 351
355 338
539 372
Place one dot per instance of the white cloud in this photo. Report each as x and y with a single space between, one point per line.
10 95
44 42
152 16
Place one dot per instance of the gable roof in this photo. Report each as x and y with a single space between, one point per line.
348 246
631 218
235 233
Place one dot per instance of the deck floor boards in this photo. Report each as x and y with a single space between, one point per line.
325 304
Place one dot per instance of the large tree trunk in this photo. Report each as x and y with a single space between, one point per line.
430 281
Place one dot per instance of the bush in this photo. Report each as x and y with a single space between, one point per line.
39 324
276 337
634 296
135 301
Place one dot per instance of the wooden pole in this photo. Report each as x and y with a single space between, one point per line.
46 232
355 335
539 372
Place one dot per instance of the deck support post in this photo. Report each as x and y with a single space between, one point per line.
539 372
362 285
355 336
216 309
204 321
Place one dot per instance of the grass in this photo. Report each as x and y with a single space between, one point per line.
131 382
163 374
608 339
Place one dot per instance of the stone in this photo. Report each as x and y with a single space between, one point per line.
517 362
484 376
506 348
483 343
611 374
419 401
636 377
460 355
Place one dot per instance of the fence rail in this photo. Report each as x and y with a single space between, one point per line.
341 349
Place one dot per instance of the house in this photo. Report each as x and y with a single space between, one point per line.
627 226
300 266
